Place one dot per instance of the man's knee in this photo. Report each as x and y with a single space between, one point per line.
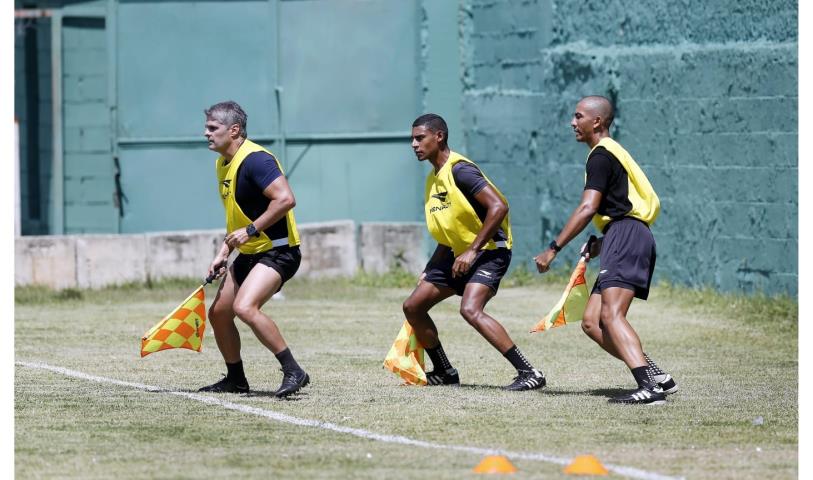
245 310
590 323
218 313
471 313
413 308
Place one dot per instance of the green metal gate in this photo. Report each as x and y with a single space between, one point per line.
330 86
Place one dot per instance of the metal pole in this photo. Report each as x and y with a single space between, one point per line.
278 89
111 28
17 211
57 166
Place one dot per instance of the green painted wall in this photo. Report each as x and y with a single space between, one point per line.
334 102
706 96
707 103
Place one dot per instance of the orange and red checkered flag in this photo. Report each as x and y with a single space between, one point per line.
570 307
183 328
405 357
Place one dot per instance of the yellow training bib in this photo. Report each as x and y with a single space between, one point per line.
450 218
235 218
645 203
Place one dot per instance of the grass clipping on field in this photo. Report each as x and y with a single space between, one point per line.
730 354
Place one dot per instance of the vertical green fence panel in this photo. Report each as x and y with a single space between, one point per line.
352 68
175 59
364 181
88 168
349 65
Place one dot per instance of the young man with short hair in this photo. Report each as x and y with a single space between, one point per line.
622 204
468 216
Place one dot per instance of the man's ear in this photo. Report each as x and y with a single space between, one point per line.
441 136
598 123
234 131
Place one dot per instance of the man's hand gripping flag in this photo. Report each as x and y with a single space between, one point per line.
570 307
182 328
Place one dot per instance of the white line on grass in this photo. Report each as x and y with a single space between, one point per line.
281 417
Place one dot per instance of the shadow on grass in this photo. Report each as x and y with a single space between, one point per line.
596 392
477 386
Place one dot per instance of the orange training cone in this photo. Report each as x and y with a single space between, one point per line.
585 465
495 464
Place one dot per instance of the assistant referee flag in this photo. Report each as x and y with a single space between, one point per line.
570 307
405 357
183 328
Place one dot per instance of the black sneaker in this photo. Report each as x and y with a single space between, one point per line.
442 377
527 380
226 385
644 395
667 383
292 382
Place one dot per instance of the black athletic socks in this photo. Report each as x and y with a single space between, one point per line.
655 369
643 376
517 359
438 357
286 359
235 372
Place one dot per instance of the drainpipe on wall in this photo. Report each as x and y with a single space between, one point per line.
57 226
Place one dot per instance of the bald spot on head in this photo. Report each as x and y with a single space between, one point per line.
598 106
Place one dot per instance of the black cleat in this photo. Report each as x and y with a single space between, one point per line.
292 382
527 380
226 385
442 377
667 383
645 395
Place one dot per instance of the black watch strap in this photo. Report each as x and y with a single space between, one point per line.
251 230
554 246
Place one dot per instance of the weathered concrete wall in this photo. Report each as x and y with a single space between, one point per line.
706 97
384 246
329 249
48 261
93 261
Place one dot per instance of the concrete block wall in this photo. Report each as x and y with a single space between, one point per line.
329 249
384 246
706 96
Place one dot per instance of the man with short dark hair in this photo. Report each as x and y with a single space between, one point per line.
468 217
622 204
260 224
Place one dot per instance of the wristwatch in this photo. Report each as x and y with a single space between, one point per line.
553 246
251 230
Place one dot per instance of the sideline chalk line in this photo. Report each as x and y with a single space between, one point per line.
358 432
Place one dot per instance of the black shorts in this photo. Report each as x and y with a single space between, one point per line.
285 260
488 268
627 257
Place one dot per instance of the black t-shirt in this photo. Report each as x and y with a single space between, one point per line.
606 175
256 173
470 181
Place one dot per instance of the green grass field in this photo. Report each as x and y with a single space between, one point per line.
735 360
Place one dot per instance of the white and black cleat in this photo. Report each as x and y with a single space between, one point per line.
443 377
644 395
667 383
527 380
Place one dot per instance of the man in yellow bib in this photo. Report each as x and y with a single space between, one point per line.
622 204
260 224
468 216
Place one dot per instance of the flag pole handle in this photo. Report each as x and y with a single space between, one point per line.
589 245
214 274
